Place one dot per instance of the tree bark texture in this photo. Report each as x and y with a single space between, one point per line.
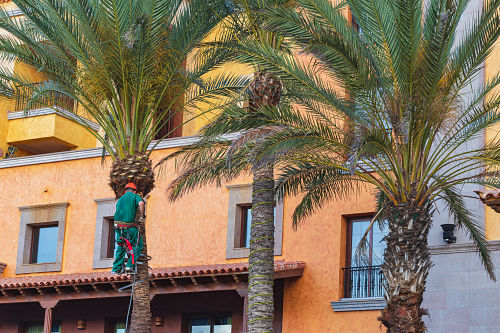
406 266
138 170
141 311
261 259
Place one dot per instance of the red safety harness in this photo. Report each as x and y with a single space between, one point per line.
129 249
126 243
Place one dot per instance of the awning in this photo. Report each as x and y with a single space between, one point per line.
169 280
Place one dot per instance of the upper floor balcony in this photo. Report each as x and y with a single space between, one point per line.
48 125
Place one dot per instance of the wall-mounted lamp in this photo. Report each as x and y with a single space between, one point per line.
158 321
448 233
81 324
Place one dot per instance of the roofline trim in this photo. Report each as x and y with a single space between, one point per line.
96 152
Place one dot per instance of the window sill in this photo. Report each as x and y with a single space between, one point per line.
103 263
359 304
39 268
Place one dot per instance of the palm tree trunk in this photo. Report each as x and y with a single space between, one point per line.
405 268
139 170
141 311
261 259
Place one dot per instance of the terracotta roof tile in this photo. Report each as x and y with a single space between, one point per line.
157 273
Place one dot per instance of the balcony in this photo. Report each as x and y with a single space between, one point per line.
48 126
363 282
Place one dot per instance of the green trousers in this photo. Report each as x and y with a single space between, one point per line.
132 234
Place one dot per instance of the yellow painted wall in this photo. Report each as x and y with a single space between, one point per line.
48 126
491 69
191 231
5 105
70 131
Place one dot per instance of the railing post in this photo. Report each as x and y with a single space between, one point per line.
365 281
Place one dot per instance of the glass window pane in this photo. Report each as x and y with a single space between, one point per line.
222 325
379 245
38 328
358 230
119 328
247 212
248 217
199 325
34 329
111 238
47 245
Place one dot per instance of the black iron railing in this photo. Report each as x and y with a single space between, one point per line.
50 99
360 282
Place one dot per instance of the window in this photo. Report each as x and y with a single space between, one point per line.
110 246
44 244
210 324
119 327
239 221
362 276
41 238
246 223
38 328
104 239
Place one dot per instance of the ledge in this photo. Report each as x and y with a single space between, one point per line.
95 152
359 304
36 207
52 110
461 248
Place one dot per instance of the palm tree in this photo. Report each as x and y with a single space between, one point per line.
131 66
405 126
207 162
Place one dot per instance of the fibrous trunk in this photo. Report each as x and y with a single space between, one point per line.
138 170
261 259
405 268
265 89
141 310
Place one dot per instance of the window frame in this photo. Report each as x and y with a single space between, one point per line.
35 240
33 217
349 253
211 317
244 224
110 246
24 326
240 195
103 233
348 256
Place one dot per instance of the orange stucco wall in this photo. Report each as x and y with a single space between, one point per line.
189 232
491 70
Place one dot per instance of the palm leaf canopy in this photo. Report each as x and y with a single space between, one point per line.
391 97
130 65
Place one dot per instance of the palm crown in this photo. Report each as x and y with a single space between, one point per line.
125 62
390 98
408 124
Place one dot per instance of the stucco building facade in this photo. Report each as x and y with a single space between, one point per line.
53 183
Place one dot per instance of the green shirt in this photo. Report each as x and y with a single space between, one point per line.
126 207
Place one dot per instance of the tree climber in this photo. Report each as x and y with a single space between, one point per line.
127 235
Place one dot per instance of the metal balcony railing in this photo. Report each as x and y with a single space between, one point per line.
361 282
52 99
